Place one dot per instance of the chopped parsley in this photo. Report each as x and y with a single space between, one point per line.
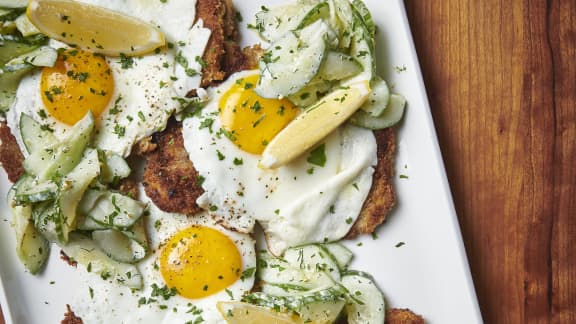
207 123
163 292
256 107
318 156
220 155
248 273
180 59
126 62
120 131
201 61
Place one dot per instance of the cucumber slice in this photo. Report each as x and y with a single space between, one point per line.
74 184
137 233
28 190
34 136
313 258
364 12
124 251
86 223
320 11
321 311
7 27
14 46
48 220
292 61
13 3
114 167
31 247
363 53
345 20
362 49
9 14
379 97
306 304
118 246
279 289
391 115
41 56
9 80
341 254
366 304
57 160
85 251
310 94
281 274
114 210
25 27
274 22
89 200
338 66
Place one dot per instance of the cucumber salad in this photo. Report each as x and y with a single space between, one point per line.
318 46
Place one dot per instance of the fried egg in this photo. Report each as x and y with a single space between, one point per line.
195 263
315 198
131 97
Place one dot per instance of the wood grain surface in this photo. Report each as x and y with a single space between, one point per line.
501 79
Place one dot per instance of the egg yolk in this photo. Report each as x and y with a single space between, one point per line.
250 120
200 261
78 82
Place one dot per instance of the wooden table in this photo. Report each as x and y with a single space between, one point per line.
501 79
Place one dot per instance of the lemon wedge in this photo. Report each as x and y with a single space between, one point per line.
313 124
244 313
94 28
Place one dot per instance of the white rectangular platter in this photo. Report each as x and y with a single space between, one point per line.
417 258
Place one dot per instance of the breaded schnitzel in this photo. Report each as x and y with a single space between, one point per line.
402 316
382 196
10 156
170 179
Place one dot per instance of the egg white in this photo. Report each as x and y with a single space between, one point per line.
144 95
101 301
293 204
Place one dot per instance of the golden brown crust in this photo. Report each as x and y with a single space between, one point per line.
70 317
67 259
143 146
252 55
402 316
381 198
129 187
10 156
170 179
220 17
